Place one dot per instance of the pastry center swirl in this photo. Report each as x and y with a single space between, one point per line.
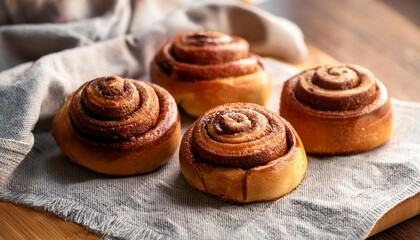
239 137
111 98
114 109
205 48
336 87
205 38
336 78
207 55
233 123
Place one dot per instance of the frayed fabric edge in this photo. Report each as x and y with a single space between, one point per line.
105 226
110 227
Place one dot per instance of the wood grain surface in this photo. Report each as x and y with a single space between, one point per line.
383 36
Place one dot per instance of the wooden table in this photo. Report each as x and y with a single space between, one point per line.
383 36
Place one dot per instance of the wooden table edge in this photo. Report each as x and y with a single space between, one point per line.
403 211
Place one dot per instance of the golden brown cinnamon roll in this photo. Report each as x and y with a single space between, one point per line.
206 69
241 153
118 126
337 109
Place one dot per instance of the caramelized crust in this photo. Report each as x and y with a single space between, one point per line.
118 126
241 153
337 109
199 66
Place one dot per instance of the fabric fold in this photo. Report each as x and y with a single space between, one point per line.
11 154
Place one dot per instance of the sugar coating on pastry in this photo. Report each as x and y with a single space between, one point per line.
241 153
118 126
338 109
206 69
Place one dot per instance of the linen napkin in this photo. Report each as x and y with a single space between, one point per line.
340 197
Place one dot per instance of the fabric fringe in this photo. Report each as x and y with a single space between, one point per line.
108 227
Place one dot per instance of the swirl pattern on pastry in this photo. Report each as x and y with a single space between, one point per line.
207 55
113 109
199 68
113 118
333 105
232 148
336 87
239 137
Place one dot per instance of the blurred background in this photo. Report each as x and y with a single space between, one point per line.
382 35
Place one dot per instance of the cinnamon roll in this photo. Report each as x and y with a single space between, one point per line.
338 109
241 153
206 69
118 126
